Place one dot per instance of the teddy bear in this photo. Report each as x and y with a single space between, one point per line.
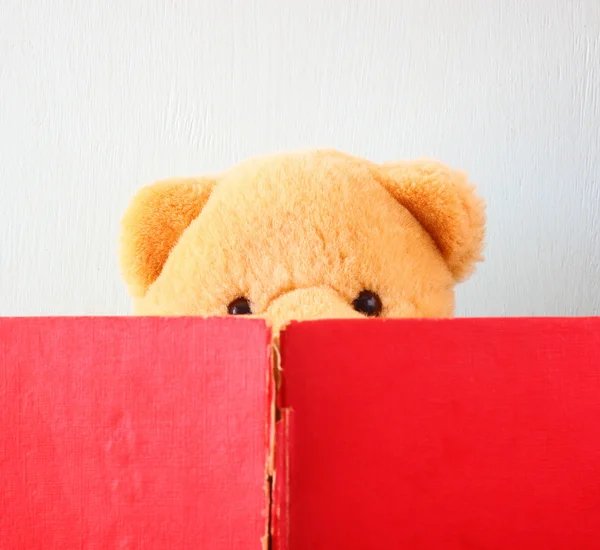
301 236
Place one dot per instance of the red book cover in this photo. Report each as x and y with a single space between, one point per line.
464 434
133 433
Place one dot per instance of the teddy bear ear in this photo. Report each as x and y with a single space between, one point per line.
446 205
152 224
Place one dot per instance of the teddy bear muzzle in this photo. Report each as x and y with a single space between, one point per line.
308 304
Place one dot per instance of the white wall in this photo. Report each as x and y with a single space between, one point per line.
99 97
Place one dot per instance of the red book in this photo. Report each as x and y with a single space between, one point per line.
137 433
463 434
133 433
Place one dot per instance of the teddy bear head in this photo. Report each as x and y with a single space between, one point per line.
301 236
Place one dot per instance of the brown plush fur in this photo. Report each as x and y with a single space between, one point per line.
300 235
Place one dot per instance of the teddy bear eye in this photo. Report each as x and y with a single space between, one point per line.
368 303
240 306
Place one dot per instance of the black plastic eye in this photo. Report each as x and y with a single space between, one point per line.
368 303
240 306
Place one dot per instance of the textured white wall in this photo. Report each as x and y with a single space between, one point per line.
99 97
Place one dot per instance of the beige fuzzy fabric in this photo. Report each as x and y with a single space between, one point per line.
300 235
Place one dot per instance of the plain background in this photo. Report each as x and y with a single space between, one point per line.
100 97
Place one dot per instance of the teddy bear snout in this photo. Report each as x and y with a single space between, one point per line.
308 304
